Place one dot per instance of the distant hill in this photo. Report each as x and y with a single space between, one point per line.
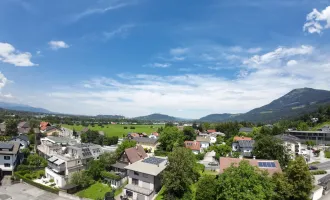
110 116
217 117
22 107
292 104
156 117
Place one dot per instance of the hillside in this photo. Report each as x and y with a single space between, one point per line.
217 117
22 107
156 117
110 116
292 104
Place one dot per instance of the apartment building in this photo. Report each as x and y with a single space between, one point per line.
144 178
52 145
291 143
9 156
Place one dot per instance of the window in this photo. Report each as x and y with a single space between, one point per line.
7 165
7 157
136 173
135 181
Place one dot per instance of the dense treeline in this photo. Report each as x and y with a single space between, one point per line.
94 137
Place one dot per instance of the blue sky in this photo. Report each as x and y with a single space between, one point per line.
183 58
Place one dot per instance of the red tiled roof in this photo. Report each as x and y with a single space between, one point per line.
226 162
211 131
237 138
193 145
135 153
135 135
155 134
43 125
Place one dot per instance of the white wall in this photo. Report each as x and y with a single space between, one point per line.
317 194
59 180
12 159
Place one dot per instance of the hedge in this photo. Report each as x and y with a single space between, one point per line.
43 187
318 172
110 175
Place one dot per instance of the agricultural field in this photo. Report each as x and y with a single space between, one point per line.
118 129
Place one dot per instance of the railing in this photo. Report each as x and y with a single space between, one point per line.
56 167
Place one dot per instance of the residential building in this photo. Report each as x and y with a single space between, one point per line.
132 135
144 179
43 126
243 145
204 141
52 145
154 135
246 129
51 131
2 128
211 131
147 143
292 144
23 140
213 139
9 156
237 138
23 128
319 137
194 146
271 166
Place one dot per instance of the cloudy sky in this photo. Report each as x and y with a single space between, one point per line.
183 58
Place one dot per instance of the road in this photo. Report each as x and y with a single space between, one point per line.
323 166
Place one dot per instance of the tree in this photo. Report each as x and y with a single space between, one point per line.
26 152
283 189
206 188
302 126
108 159
124 145
170 137
36 161
310 143
11 127
81 179
244 182
95 167
300 178
180 173
189 133
206 126
270 148
221 150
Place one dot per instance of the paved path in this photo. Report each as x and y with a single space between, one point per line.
324 166
23 191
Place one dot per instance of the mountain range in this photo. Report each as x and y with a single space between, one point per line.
294 103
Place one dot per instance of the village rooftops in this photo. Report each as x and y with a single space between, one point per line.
135 153
60 140
23 125
193 145
145 140
272 166
9 147
211 131
288 138
245 143
203 139
237 138
152 165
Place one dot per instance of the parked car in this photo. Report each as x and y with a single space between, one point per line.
213 163
313 168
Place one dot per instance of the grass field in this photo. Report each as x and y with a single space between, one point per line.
118 129
320 125
95 191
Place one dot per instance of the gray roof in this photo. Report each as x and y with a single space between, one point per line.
23 130
202 139
2 127
245 143
145 140
9 147
36 130
288 138
148 168
327 132
119 165
138 189
22 137
246 129
61 140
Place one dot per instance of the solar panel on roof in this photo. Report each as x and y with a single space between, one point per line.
6 146
272 164
153 160
266 164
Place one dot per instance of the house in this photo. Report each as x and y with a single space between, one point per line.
147 143
2 128
23 140
43 126
52 145
211 131
320 137
23 128
144 178
194 146
154 135
292 144
243 145
246 130
9 156
51 131
271 166
132 135
215 134
204 141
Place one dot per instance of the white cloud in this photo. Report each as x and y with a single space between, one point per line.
291 63
179 58
236 49
38 53
58 45
278 54
122 31
8 54
178 51
158 65
254 50
315 20
3 80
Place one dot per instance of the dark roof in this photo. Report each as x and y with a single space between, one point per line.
22 137
23 125
288 138
135 153
145 140
246 129
12 146
245 143
24 130
324 180
119 165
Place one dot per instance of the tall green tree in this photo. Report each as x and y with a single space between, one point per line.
179 174
270 148
189 133
108 159
170 137
244 182
81 179
11 127
302 126
124 145
300 178
282 188
206 188
221 150
36 161
95 167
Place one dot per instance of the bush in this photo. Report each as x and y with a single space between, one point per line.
51 180
132 127
318 172
200 156
161 153
43 187
327 154
125 127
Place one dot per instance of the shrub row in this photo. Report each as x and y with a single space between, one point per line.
318 172
43 187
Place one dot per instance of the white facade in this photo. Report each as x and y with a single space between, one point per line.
8 162
213 139
59 180
293 148
205 145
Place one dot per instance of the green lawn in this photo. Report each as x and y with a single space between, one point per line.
118 129
95 191
320 125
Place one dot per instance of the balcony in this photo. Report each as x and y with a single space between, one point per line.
57 168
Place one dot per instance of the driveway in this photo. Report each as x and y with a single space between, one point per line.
209 157
23 191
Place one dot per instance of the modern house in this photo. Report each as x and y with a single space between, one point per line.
43 126
144 179
243 145
147 143
213 139
23 140
194 146
23 128
292 144
271 166
9 156
204 141
319 137
52 145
